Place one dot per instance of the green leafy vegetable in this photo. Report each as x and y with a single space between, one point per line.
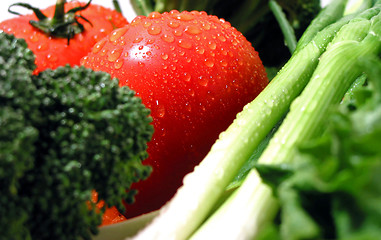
334 191
63 134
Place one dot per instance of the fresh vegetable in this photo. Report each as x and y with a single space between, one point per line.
64 133
255 19
332 190
195 72
16 134
111 214
314 80
64 33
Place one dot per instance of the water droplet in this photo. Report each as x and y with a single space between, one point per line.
203 81
178 33
200 50
141 64
84 60
34 37
188 107
173 24
160 110
146 24
150 41
226 25
51 57
185 43
206 26
183 16
221 38
212 45
164 56
193 30
224 63
154 15
154 30
114 54
167 38
209 62
97 47
117 33
187 77
136 21
118 63
137 40
42 47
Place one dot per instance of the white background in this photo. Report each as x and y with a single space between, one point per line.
125 5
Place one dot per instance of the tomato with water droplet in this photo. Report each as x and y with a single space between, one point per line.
195 72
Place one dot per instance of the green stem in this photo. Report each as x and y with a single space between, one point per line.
330 14
59 12
116 5
288 31
62 25
142 7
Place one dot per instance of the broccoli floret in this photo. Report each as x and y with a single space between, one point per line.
17 101
74 131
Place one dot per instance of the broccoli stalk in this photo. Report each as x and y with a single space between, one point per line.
189 213
65 133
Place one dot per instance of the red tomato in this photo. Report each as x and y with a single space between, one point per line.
52 52
111 214
195 72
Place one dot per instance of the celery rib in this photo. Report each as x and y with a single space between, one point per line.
333 76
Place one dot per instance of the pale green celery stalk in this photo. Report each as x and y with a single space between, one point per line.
330 14
203 188
252 205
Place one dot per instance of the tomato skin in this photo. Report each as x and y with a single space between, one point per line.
195 72
52 52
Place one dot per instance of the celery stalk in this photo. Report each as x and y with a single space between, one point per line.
252 205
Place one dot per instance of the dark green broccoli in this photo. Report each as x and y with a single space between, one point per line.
66 132
251 17
17 101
